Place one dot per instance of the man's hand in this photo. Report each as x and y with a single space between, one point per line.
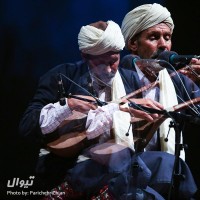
81 105
195 65
142 114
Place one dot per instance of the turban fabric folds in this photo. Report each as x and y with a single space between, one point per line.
144 17
94 41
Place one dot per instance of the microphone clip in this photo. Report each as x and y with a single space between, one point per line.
61 91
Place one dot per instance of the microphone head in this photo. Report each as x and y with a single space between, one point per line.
157 53
127 61
166 55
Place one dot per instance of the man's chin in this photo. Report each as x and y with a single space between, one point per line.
109 81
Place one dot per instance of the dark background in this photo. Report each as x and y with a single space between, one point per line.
36 35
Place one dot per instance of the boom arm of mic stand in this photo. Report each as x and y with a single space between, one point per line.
96 101
180 117
100 103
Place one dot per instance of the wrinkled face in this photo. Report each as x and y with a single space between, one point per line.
151 40
104 66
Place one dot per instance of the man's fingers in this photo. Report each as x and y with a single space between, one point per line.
143 115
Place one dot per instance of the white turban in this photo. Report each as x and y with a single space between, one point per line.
144 17
94 41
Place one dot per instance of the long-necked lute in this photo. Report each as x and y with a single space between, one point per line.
72 141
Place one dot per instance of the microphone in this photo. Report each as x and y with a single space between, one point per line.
61 91
175 59
150 66
127 61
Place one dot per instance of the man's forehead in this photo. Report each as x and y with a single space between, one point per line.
160 26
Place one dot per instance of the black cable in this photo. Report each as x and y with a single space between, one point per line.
100 103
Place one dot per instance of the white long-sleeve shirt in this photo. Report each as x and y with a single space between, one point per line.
98 122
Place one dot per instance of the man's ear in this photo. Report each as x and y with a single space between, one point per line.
132 45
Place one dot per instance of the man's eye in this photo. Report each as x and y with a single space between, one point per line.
167 38
152 38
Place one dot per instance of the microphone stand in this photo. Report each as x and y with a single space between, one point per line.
176 175
98 102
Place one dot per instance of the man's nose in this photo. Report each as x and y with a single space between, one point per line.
108 68
162 44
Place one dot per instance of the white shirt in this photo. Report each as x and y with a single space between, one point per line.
52 115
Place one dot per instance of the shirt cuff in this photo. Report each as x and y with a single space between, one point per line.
99 121
52 115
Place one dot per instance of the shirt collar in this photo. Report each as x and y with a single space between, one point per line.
139 72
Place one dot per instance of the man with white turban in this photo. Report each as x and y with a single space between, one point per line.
144 17
147 31
67 113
